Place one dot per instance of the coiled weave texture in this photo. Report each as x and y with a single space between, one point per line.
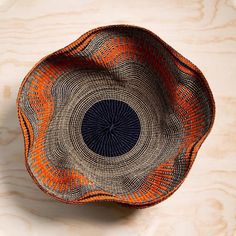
117 115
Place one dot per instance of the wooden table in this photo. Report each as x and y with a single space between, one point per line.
204 32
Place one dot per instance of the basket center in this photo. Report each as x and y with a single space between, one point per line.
110 128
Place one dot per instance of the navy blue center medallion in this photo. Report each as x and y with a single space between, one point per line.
110 128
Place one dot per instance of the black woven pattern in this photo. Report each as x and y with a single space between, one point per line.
110 128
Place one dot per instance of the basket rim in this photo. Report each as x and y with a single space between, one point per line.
195 149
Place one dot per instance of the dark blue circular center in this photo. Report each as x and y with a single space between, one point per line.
110 128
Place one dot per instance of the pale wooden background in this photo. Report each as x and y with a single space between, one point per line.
204 32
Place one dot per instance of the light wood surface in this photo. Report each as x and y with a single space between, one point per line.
205 33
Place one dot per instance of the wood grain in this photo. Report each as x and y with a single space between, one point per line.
204 32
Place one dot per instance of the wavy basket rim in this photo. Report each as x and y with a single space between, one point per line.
196 147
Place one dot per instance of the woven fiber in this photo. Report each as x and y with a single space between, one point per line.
117 115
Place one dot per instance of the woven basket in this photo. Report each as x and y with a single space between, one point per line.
118 115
